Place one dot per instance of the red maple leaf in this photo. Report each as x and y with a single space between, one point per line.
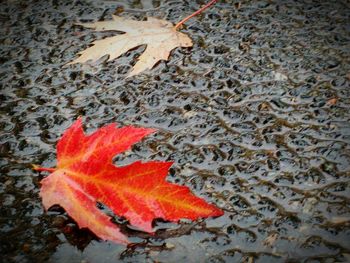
139 192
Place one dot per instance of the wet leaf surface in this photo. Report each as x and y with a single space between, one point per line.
85 179
246 115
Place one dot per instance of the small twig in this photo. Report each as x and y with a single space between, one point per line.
194 14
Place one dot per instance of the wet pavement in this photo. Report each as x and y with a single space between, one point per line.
255 117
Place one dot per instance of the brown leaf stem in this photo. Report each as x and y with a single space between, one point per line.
195 13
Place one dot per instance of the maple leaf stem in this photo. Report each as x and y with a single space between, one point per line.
43 169
195 13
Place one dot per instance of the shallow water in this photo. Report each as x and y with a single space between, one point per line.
255 117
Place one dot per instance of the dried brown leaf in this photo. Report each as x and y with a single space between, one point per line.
159 35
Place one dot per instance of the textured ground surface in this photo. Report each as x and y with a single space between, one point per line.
255 117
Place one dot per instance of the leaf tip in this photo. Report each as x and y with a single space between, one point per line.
217 212
78 122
